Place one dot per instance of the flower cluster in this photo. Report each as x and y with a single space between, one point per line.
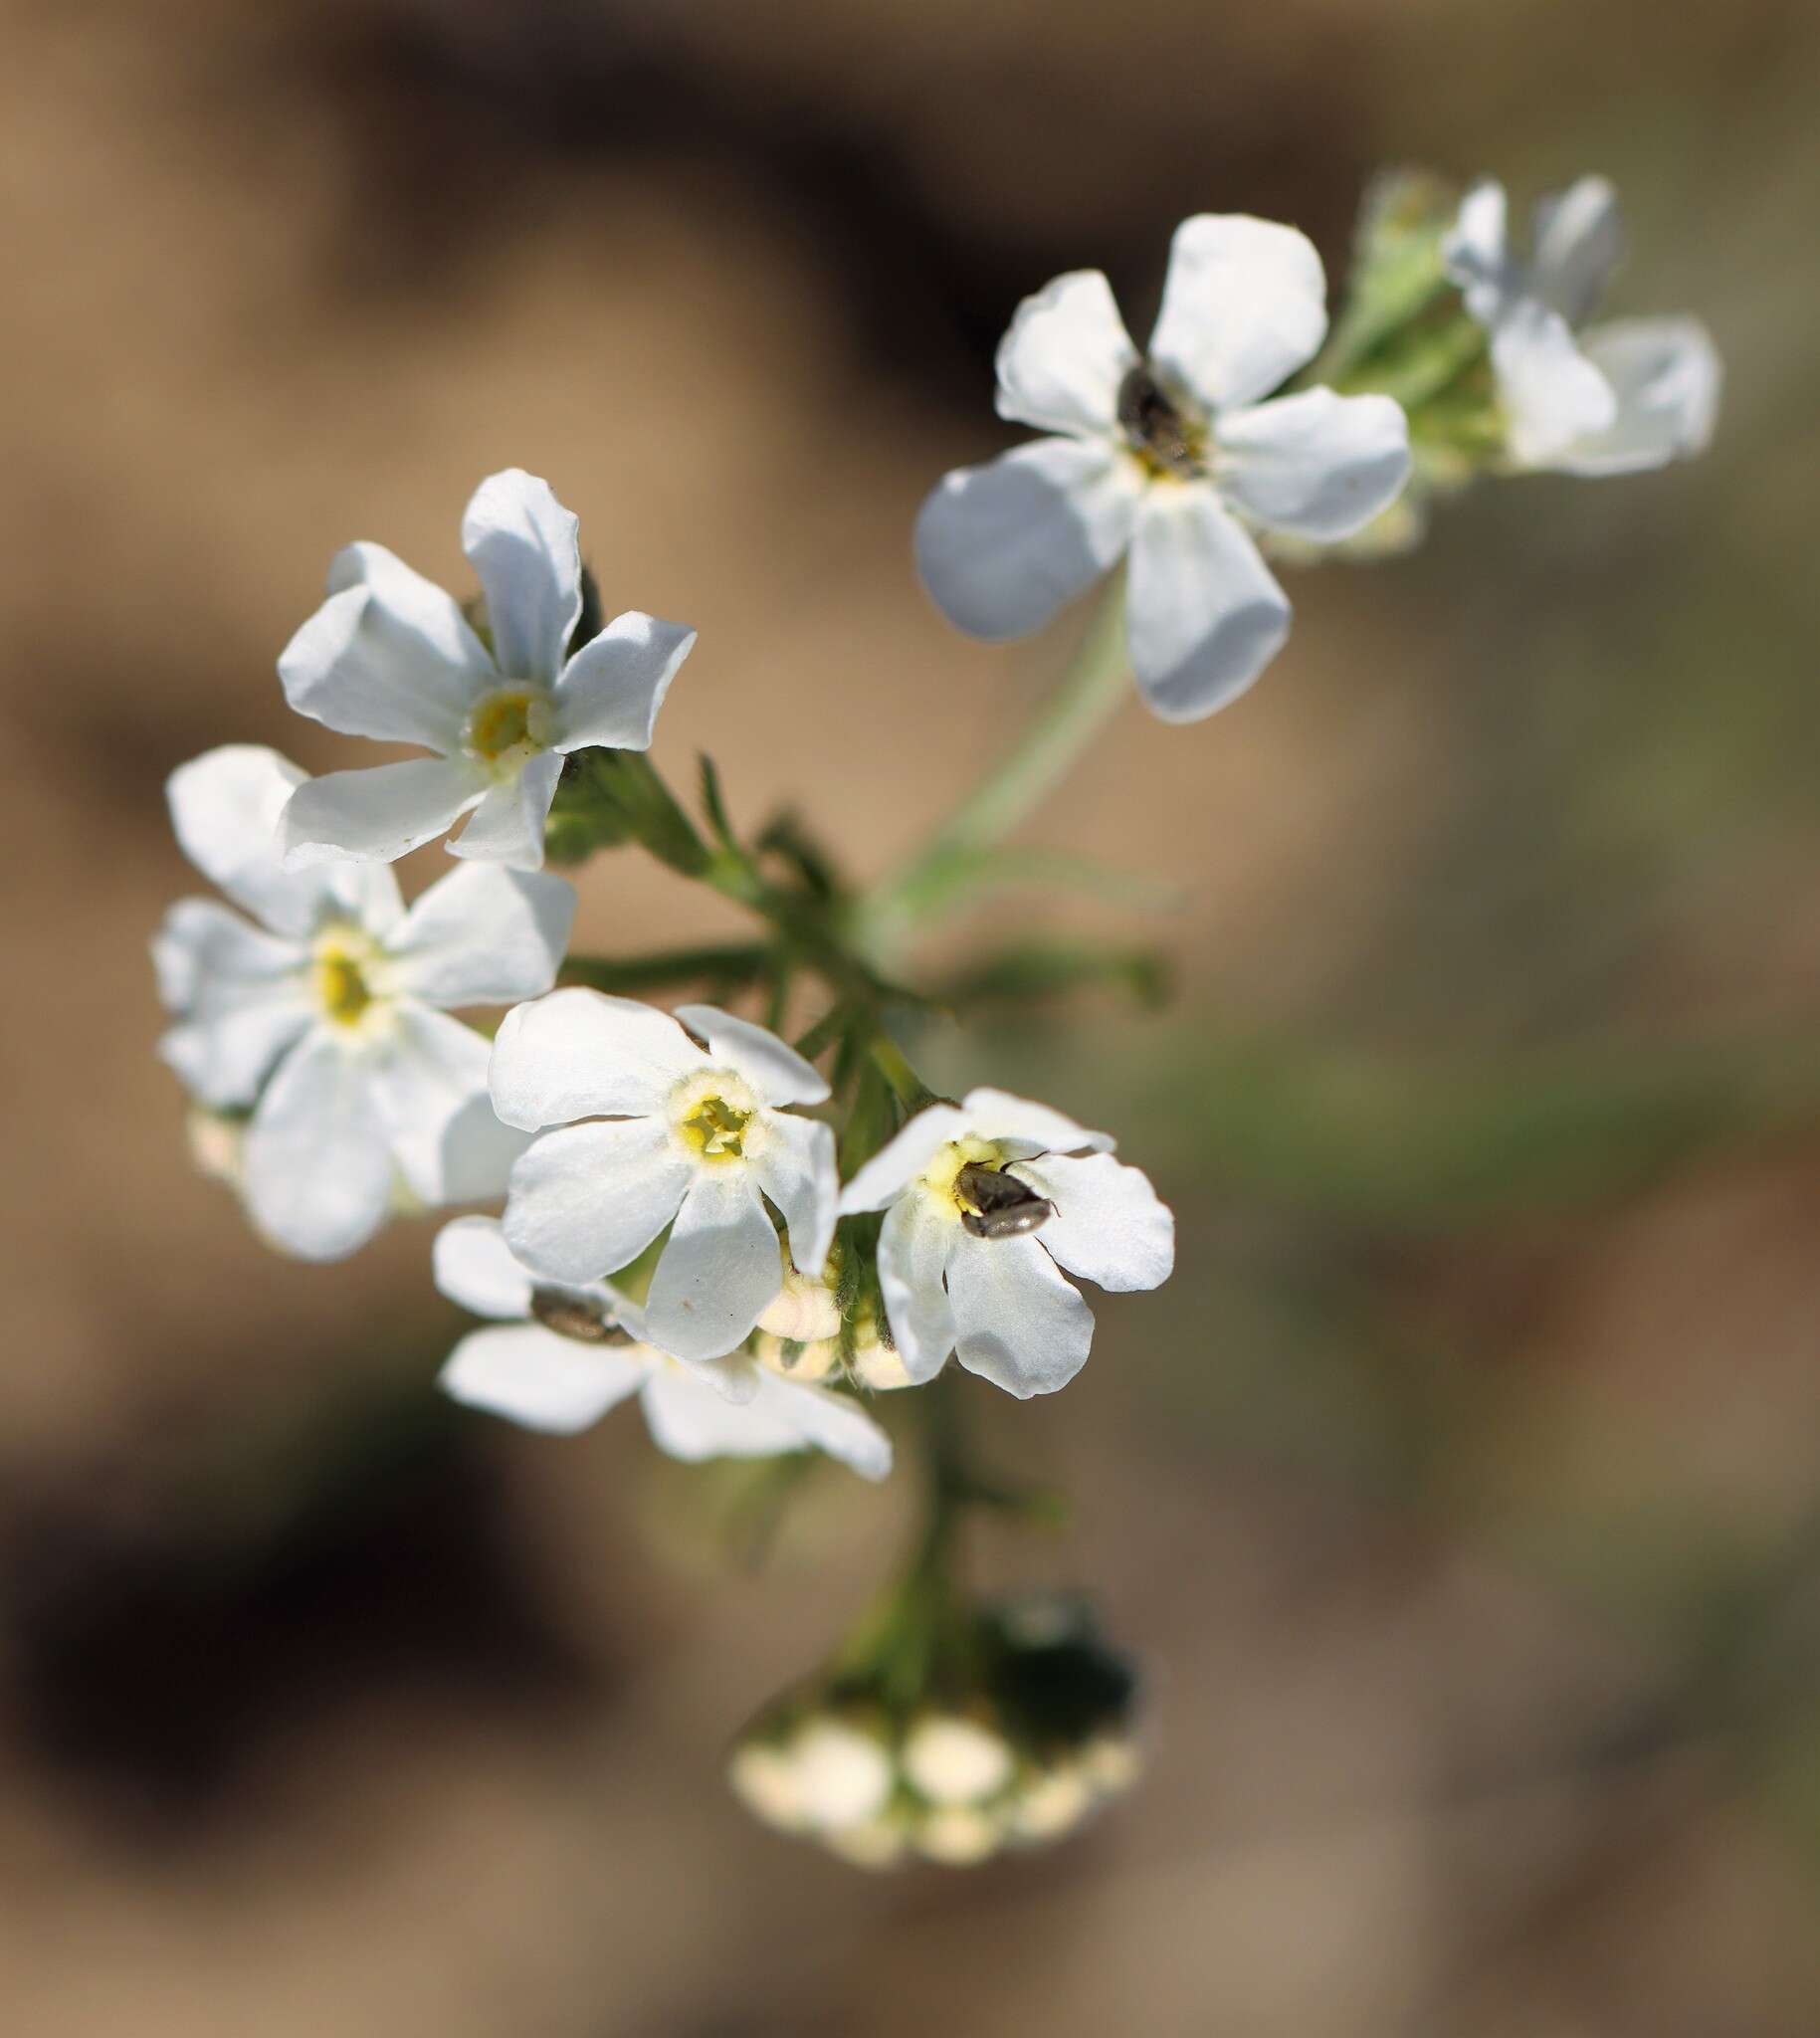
1026 1728
755 1234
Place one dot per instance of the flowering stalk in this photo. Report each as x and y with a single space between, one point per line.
699 1218
1092 689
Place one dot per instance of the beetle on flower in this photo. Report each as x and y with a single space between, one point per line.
1172 457
558 1358
688 1126
1630 394
325 1020
390 654
986 1203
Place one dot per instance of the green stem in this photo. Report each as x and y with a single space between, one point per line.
1089 694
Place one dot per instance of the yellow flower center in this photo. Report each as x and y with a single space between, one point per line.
508 725
716 1116
714 1129
942 1175
345 960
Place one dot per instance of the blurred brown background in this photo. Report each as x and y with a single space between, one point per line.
1464 1486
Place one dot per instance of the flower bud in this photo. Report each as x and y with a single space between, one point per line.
953 1761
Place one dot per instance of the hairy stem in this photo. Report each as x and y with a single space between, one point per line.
1085 698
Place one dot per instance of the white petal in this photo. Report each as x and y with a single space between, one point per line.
243 994
1666 376
379 813
1002 547
1580 241
690 1419
226 807
778 1073
1204 615
580 1053
902 1157
388 655
1244 303
795 1167
522 544
1110 1226
1064 356
533 1376
479 1153
474 1266
508 825
718 1268
832 1422
611 690
483 936
1017 1322
1476 251
998 1115
203 943
419 609
429 1084
318 1179
1316 465
586 1200
913 1246
1551 393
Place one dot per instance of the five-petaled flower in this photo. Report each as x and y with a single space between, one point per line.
559 1357
685 1124
325 1020
1172 456
1629 394
390 654
985 1202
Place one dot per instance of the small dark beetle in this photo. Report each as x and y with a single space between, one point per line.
1003 1206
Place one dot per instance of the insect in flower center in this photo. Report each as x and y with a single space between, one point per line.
508 725
344 959
1167 433
969 1176
715 1117
585 1318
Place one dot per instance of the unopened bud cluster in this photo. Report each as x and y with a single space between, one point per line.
1016 1751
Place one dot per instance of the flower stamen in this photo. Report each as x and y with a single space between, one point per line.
715 1130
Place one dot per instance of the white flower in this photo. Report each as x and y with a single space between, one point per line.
326 1018
677 1131
390 654
1631 394
985 1202
560 1356
1170 454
